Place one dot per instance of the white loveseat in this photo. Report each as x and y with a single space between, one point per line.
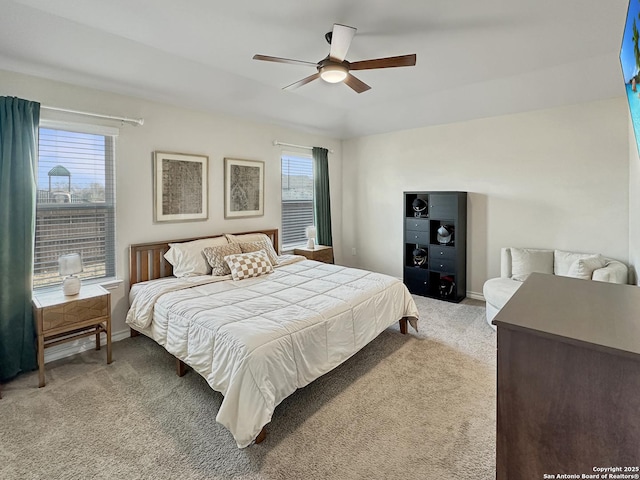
517 263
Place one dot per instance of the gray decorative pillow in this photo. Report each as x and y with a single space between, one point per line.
265 245
246 265
215 257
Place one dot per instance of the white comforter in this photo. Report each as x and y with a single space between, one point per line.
257 340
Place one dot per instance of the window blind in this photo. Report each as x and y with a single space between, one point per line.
297 199
75 204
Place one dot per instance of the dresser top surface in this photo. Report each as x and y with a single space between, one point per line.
603 315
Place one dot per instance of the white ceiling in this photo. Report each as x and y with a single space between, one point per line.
475 58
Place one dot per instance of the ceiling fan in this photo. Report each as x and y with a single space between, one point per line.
334 68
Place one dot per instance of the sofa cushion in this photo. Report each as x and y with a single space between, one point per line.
563 260
613 272
497 291
529 260
584 267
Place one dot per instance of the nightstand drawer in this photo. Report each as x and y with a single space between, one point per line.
77 312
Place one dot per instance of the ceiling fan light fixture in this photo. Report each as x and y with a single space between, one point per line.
335 68
333 73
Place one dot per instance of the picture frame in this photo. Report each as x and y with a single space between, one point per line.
243 188
181 187
630 65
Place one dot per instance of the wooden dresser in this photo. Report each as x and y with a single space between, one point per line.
568 379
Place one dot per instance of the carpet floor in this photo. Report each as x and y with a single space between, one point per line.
417 406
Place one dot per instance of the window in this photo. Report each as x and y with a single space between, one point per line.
297 199
75 204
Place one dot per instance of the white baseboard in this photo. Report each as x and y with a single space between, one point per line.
81 345
476 296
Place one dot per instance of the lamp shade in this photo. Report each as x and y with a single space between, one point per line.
70 264
311 232
311 237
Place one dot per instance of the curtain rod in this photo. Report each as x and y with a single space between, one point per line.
134 121
276 143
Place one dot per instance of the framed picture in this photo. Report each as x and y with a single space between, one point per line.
181 186
243 188
630 63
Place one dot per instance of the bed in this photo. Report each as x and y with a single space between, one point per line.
258 339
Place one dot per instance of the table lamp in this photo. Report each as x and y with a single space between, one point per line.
311 237
68 266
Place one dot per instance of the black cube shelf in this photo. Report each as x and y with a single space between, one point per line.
435 244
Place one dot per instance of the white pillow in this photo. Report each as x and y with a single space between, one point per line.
187 257
528 260
584 267
246 265
562 261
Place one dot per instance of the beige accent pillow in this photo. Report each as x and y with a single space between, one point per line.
246 237
247 265
187 257
525 261
265 245
584 267
215 257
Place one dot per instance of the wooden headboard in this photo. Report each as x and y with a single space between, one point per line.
147 262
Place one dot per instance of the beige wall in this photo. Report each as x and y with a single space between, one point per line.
176 130
634 207
556 178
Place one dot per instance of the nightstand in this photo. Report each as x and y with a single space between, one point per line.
321 253
62 319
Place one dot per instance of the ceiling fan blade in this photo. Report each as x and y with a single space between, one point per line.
302 82
388 62
267 58
358 85
340 41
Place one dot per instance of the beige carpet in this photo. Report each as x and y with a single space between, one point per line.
418 406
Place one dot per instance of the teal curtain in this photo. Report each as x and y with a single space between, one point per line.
321 198
19 121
